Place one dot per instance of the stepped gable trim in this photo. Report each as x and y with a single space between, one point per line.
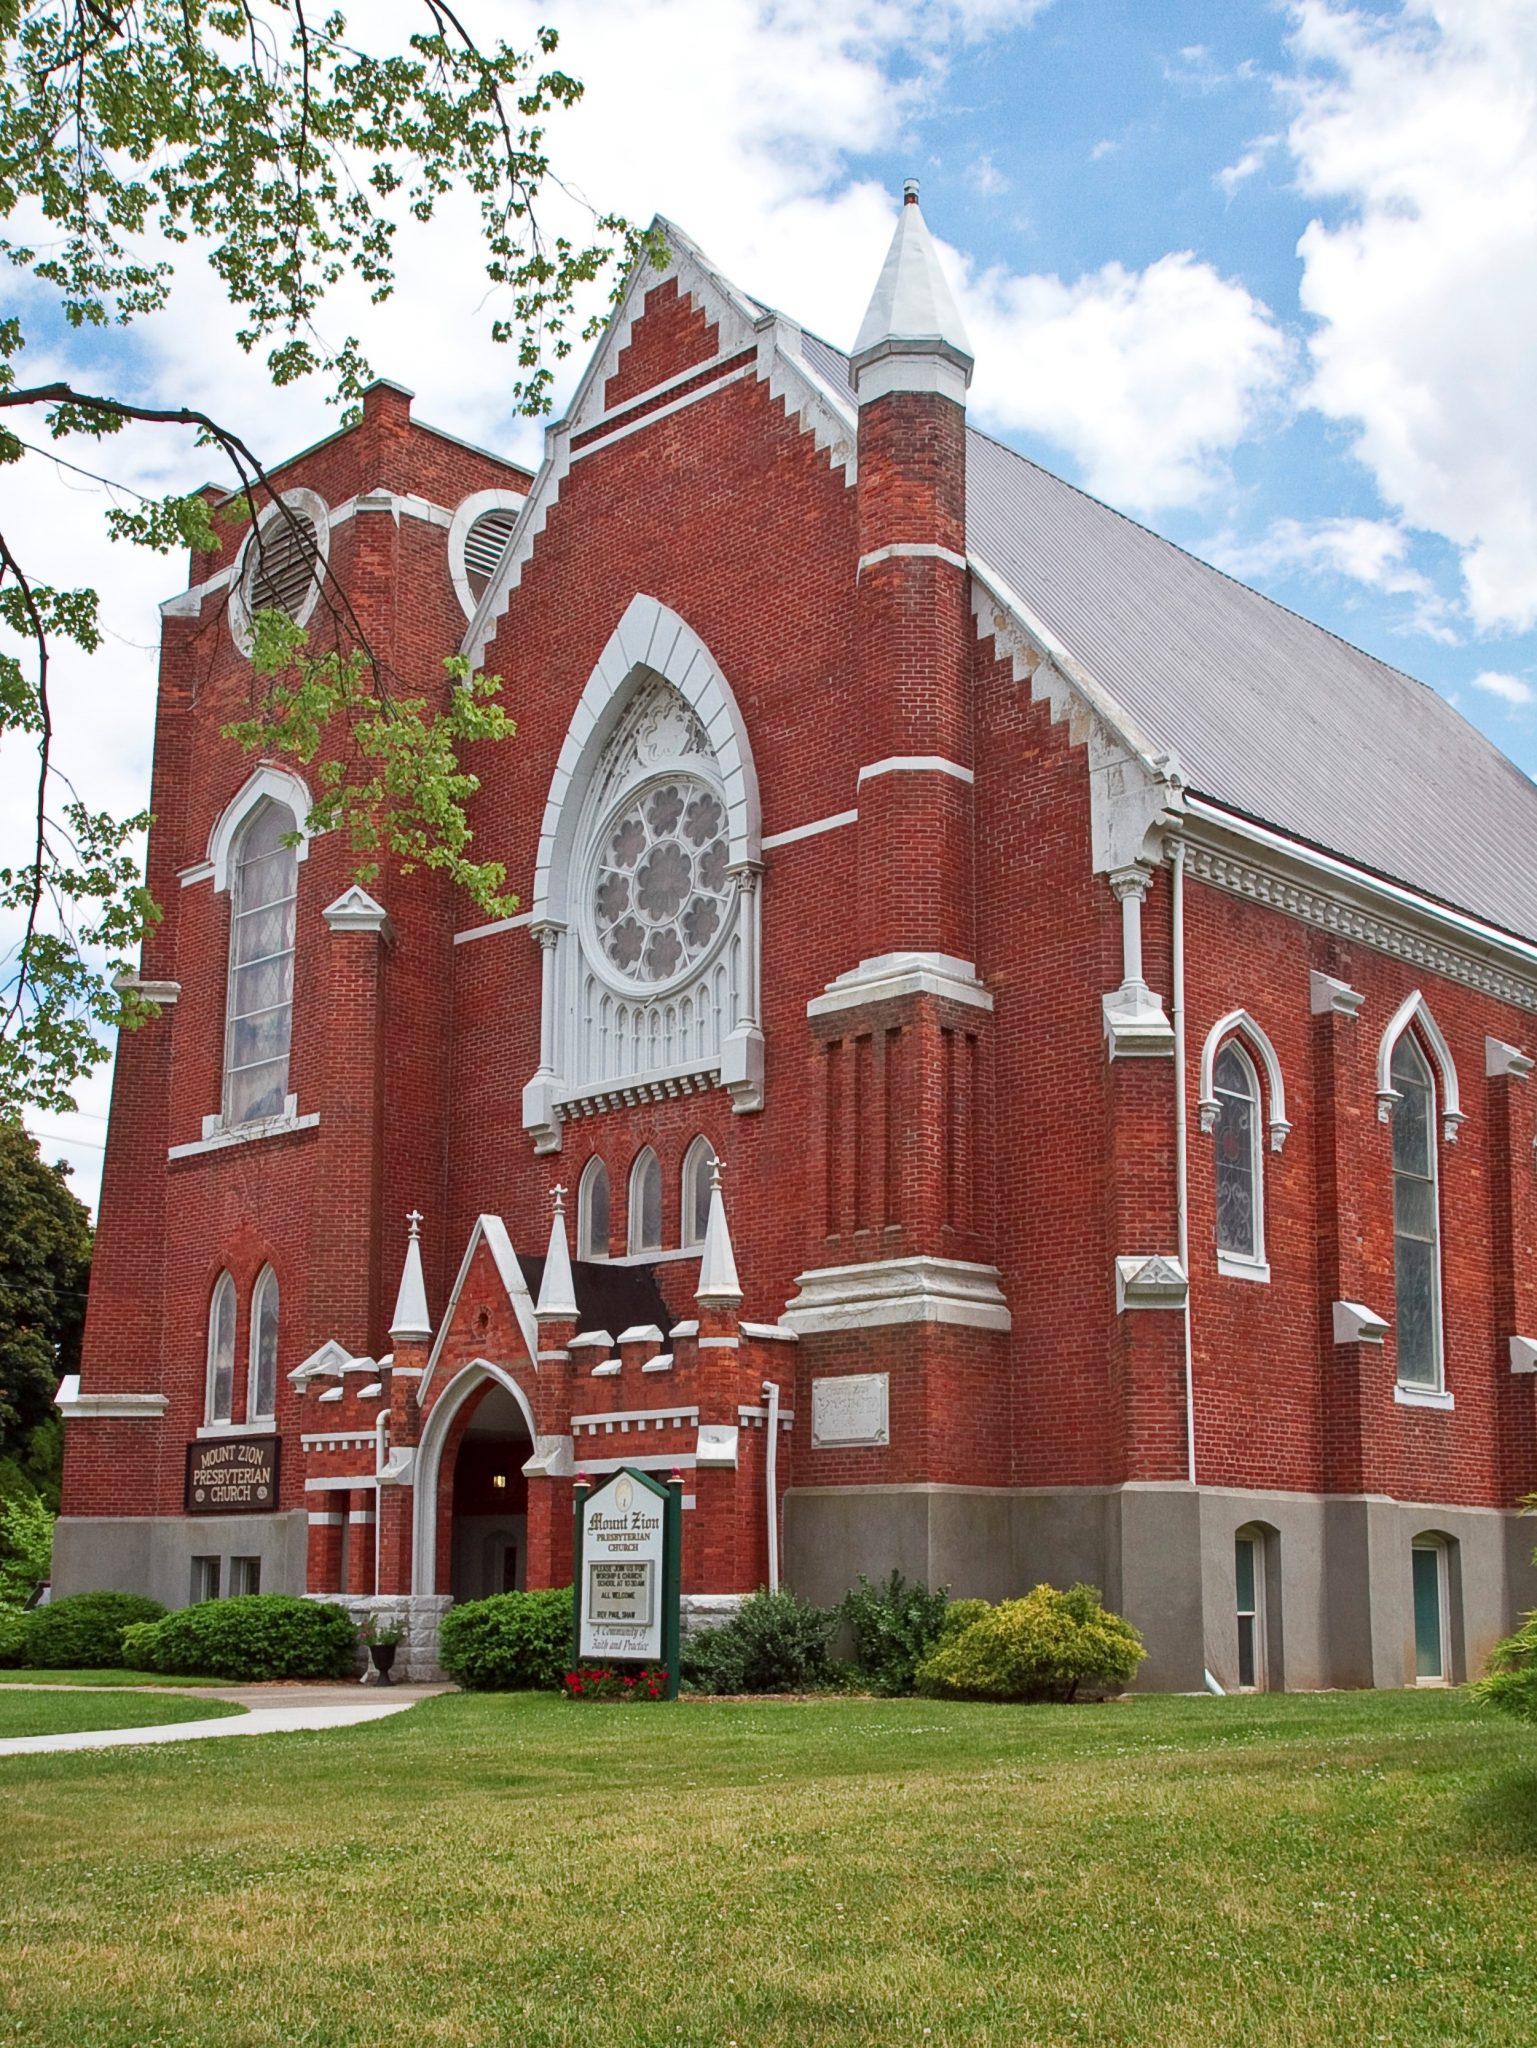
491 1232
753 339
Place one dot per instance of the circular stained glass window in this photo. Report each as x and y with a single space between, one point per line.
660 887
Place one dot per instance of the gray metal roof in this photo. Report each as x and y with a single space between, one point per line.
1269 714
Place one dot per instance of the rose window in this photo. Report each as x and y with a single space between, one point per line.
661 889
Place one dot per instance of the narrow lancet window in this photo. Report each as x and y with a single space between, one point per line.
221 1352
1416 1224
1239 1156
646 1203
261 977
261 1395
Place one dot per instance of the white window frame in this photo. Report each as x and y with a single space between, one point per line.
1258 1539
586 1247
1432 1392
1441 1550
645 1161
316 510
255 1412
701 1153
1259 1054
466 513
227 1119
1250 1265
224 1288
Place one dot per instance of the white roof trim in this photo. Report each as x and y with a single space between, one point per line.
492 1232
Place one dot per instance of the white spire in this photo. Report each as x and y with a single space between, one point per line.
557 1296
718 1284
411 1322
913 337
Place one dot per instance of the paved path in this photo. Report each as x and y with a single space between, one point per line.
271 1710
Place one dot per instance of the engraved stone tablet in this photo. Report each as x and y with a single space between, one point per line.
851 1410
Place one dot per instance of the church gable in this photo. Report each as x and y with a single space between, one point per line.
671 335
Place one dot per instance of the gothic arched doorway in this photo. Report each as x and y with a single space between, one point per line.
489 1516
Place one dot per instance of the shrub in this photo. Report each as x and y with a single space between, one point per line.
26 1547
773 1643
959 1616
513 1642
1511 1680
1048 1646
895 1625
85 1629
15 1627
253 1636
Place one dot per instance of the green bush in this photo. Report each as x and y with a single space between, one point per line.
895 1625
959 1616
84 1630
1048 1646
773 1643
253 1636
1511 1680
15 1627
513 1642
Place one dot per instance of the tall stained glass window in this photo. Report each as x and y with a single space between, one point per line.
259 1016
1416 1229
1239 1159
221 1351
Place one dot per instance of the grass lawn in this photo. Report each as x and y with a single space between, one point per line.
63 1713
1352 1868
26 1677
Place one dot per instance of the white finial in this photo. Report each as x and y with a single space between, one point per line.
718 1283
557 1291
912 337
411 1322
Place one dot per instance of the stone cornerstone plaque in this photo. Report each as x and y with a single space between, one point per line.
851 1410
621 1607
232 1475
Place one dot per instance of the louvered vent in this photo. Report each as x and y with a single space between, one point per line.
284 558
483 546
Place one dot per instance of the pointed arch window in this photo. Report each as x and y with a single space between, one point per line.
697 1162
1416 1218
219 1400
259 1013
645 1233
262 1385
592 1207
1239 1158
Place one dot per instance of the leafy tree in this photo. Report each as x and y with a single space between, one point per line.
45 1258
290 152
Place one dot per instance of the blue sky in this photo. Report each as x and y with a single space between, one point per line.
1263 276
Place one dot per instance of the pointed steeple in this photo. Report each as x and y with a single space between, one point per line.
557 1294
718 1283
411 1322
912 337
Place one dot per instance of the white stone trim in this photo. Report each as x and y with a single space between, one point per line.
1355 1323
429 1451
465 513
330 1360
626 427
770 1333
888 1291
1234 1266
674 1417
1423 1397
1414 1010
643 1461
1326 994
356 911
716 1447
1240 1024
1248 860
326 1519
73 1406
839 818
491 1232
334 1439
267 1426
910 550
489 931
1149 1280
244 1134
718 1343
914 764
314 508
1500 1058
281 786
1523 1354
889 975
165 994
342 1482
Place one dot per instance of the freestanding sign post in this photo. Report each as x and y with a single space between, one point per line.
627 1560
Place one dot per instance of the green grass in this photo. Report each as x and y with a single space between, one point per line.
63 1713
1351 1868
28 1677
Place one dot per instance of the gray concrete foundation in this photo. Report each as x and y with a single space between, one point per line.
1337 1606
153 1553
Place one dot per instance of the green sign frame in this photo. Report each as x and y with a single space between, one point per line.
670 1498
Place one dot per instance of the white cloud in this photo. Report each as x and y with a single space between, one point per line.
1371 552
986 178
1148 378
1252 161
1418 134
1510 689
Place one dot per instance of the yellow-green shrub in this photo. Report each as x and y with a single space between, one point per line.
1047 1646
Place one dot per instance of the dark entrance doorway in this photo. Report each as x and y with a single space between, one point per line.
490 1500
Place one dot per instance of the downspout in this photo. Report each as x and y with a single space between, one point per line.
381 1427
1181 1140
771 1482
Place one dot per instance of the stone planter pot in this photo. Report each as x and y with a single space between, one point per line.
382 1656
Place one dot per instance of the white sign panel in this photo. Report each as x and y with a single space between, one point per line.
850 1410
621 1591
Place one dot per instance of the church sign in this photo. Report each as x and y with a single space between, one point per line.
232 1475
628 1541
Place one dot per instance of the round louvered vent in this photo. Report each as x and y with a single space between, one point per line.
483 546
283 563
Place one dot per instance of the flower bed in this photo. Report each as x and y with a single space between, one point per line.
600 1682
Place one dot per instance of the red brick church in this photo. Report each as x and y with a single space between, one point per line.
1012 1061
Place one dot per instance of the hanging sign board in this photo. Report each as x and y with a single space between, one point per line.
627 1550
232 1475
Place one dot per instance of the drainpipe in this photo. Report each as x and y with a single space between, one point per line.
771 1482
1181 1140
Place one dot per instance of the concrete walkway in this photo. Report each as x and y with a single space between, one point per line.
270 1710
